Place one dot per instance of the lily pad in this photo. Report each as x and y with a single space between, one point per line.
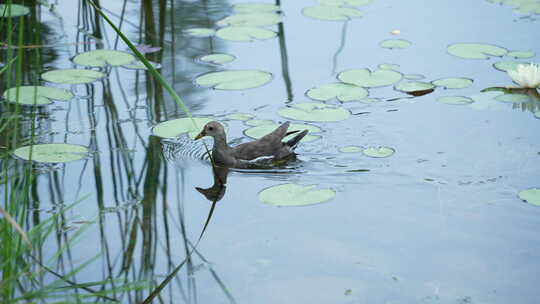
366 78
217 58
388 66
176 127
414 76
258 122
72 76
453 82
455 100
370 100
295 195
506 66
395 44
345 2
521 54
37 95
101 58
245 33
200 32
513 98
476 50
253 19
342 91
312 111
332 13
413 86
531 196
240 116
378 152
537 114
260 131
52 153
248 8
234 80
13 10
351 149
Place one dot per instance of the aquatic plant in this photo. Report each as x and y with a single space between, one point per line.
526 76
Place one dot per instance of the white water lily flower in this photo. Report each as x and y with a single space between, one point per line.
526 75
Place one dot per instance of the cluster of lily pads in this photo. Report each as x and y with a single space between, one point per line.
521 6
336 10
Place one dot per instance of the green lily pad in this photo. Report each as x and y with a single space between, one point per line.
453 82
521 54
413 86
506 66
234 80
200 32
258 122
345 2
37 95
217 58
137 65
253 19
414 76
72 76
531 196
476 50
13 10
260 131
513 98
52 153
366 78
378 152
295 195
395 44
388 66
537 114
176 127
351 149
342 91
455 100
248 8
312 111
101 58
245 33
332 13
240 116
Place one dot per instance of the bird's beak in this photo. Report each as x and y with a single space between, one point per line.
201 135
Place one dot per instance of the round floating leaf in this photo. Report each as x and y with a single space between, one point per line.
350 149
176 127
521 54
455 100
513 98
37 95
295 195
100 58
345 2
476 50
332 13
388 66
395 44
413 86
370 100
366 78
217 58
13 10
240 116
72 76
52 153
342 91
378 152
245 33
247 8
413 76
260 131
537 114
311 111
531 196
453 83
254 19
234 80
258 122
506 66
200 32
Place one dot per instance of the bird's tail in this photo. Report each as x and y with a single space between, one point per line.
295 140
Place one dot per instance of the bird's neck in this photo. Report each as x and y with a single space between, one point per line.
220 142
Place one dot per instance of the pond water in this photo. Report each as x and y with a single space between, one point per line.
437 221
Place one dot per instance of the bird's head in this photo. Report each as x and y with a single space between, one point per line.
212 128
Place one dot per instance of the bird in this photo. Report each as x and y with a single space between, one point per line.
267 149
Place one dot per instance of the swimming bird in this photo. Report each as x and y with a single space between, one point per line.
269 148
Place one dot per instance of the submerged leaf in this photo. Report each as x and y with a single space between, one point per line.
176 127
395 44
260 131
366 78
513 98
351 149
52 153
388 66
36 95
253 19
245 33
455 100
200 32
531 196
378 152
100 58
234 80
312 111
332 13
258 122
345 2
240 116
342 91
247 8
476 50
295 195
72 76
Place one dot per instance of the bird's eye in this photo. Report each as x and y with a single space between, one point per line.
210 128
